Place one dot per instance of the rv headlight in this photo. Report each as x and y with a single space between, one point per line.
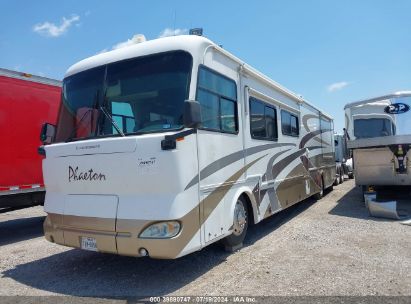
162 230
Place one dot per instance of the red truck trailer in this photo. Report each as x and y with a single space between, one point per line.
26 102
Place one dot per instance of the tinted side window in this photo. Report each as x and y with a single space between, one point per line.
257 119
217 84
289 123
271 121
217 96
209 110
325 124
294 125
228 119
285 122
263 120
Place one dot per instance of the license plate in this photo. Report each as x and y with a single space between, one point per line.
88 243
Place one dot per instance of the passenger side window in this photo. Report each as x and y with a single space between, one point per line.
289 124
263 120
228 119
209 110
217 96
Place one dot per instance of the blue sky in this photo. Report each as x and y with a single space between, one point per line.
331 52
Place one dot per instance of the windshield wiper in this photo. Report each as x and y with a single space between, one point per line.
103 109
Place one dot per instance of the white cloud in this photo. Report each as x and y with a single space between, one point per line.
52 30
136 39
141 38
337 86
120 45
172 32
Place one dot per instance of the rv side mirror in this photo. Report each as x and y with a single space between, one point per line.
192 114
48 131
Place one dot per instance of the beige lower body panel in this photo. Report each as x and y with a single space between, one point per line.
292 190
68 230
295 188
64 230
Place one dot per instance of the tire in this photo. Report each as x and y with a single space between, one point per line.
320 194
350 175
337 180
240 224
363 190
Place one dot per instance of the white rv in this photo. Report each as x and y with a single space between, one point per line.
380 136
169 145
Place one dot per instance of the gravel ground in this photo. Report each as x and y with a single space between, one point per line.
329 247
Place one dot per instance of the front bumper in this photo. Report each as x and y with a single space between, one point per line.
68 231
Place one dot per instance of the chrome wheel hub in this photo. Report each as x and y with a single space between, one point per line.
240 218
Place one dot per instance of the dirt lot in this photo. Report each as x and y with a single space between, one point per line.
329 247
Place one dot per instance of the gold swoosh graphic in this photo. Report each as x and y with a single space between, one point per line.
305 123
208 205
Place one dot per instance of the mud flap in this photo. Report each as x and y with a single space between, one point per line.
381 209
406 222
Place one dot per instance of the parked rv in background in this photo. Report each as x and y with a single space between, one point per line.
380 137
26 102
343 158
167 146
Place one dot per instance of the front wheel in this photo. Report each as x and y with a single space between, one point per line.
240 226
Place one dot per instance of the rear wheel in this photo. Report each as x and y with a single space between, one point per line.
240 226
320 194
341 177
336 181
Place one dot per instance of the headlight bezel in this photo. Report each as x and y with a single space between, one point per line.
147 232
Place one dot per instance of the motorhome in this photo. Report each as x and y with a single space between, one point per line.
166 146
379 130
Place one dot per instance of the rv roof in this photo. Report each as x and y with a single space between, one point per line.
190 43
388 96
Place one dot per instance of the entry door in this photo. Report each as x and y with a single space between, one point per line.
219 150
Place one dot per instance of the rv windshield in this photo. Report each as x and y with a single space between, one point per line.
142 95
372 127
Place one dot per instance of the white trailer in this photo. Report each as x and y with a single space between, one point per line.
380 137
169 145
